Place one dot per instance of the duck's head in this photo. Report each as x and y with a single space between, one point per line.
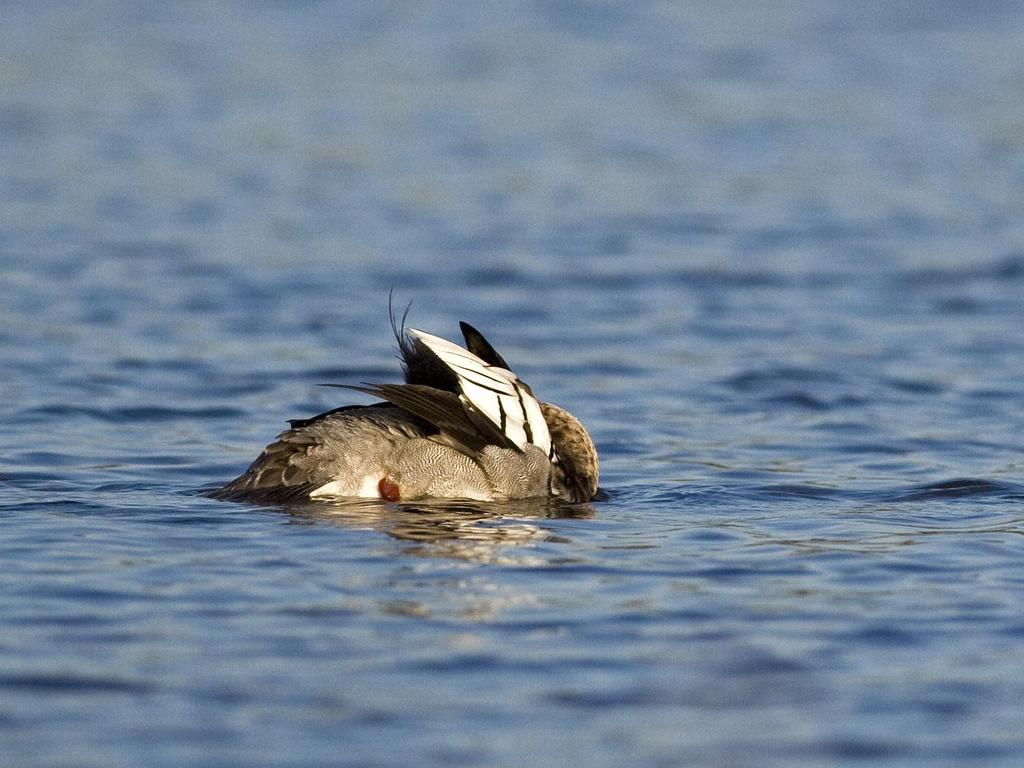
575 474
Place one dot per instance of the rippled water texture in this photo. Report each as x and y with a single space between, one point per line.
773 260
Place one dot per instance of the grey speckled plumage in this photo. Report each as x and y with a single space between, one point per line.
462 426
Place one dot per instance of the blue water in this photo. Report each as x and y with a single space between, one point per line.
773 260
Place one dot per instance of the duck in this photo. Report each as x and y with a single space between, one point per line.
463 425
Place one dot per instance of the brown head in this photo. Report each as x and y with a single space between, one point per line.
575 475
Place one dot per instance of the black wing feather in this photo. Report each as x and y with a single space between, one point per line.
479 346
420 365
444 410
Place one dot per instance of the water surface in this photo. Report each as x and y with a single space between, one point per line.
773 262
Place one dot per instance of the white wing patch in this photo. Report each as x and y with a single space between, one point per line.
494 392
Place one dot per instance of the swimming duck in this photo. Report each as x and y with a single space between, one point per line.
463 425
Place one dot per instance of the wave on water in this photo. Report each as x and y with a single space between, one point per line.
959 488
131 414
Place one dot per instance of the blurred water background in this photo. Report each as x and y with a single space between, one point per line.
772 256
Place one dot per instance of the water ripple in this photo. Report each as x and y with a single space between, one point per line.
73 684
958 488
150 413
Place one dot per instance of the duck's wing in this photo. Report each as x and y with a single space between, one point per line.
444 410
492 396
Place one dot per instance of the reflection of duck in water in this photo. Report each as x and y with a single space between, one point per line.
480 531
462 426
